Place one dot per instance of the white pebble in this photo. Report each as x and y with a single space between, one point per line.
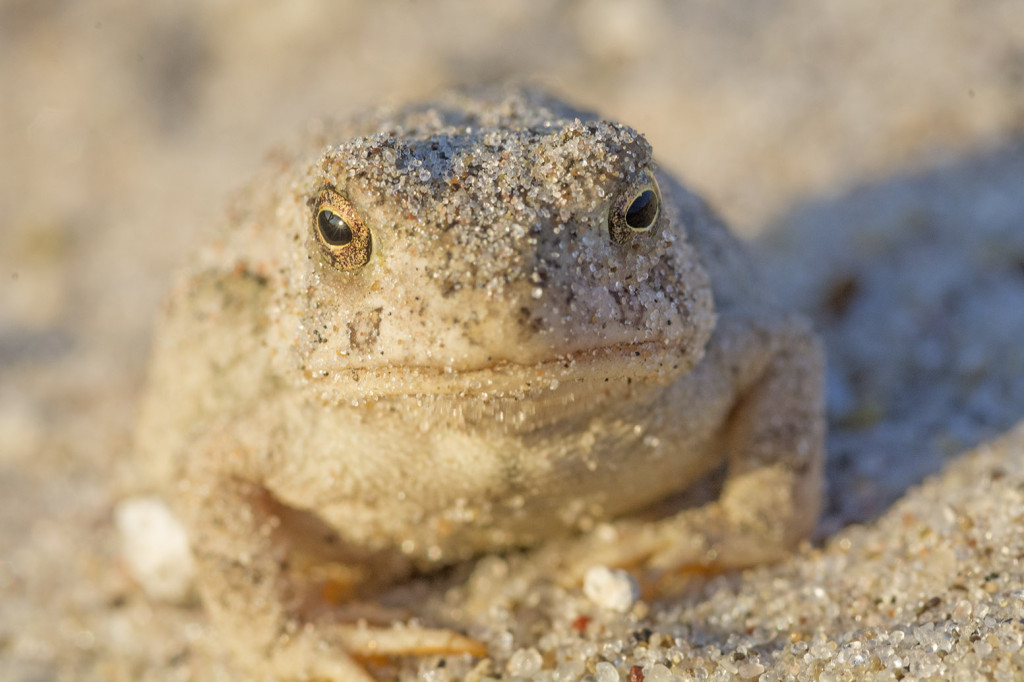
569 671
525 662
606 672
155 547
659 673
612 590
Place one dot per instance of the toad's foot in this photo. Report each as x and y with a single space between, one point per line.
336 651
281 583
731 533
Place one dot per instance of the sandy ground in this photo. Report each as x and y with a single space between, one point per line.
872 149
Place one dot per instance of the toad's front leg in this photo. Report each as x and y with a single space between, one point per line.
774 442
279 586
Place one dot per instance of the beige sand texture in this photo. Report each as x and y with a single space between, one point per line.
872 149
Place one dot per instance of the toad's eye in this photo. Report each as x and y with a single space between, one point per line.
636 210
342 235
333 228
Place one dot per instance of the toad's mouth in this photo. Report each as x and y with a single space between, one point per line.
650 362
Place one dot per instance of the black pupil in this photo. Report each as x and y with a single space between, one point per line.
641 213
333 228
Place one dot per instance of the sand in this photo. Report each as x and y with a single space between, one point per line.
871 151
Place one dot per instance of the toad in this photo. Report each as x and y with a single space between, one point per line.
480 324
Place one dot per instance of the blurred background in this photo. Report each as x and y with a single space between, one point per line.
848 138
